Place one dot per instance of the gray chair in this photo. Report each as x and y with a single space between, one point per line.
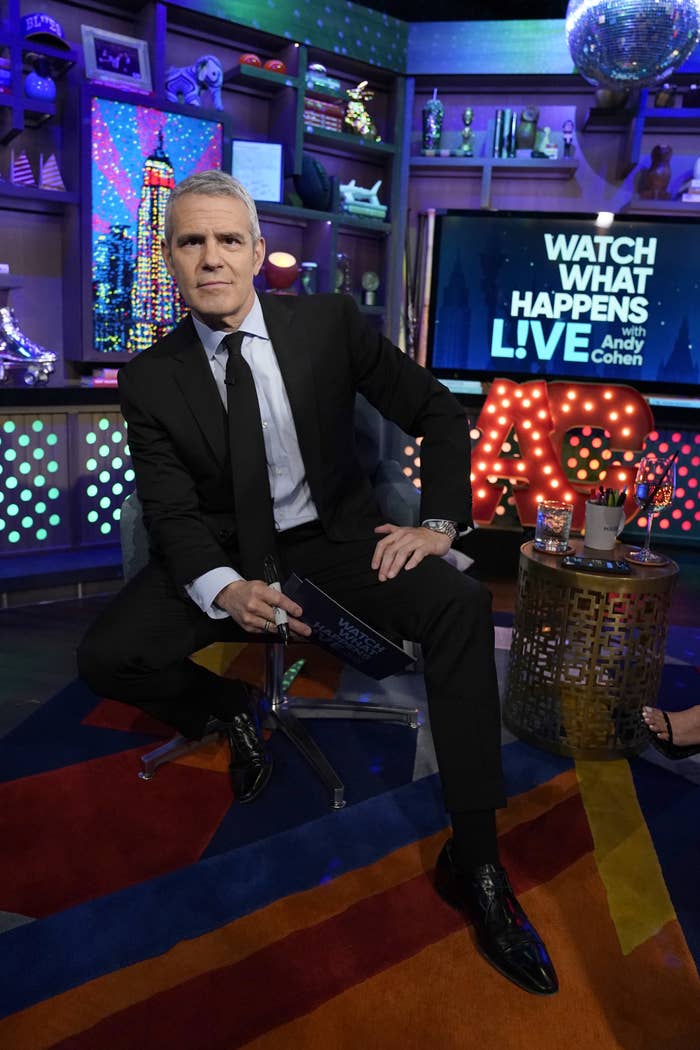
399 501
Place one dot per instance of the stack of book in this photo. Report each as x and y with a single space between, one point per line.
692 192
372 211
324 113
324 101
504 133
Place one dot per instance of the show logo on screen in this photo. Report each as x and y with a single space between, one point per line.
555 296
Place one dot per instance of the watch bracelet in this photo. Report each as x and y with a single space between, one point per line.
444 525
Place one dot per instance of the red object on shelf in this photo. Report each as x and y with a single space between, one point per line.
281 270
275 65
249 59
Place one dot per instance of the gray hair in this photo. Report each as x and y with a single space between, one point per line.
212 184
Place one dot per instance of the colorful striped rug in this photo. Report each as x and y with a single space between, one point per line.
160 915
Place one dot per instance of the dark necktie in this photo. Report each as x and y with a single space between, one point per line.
255 526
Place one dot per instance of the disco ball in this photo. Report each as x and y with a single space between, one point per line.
631 43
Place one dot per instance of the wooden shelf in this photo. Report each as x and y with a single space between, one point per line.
268 209
433 164
361 222
345 142
668 119
638 205
562 168
488 167
296 216
260 78
49 200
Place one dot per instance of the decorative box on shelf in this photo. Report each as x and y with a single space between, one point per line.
319 83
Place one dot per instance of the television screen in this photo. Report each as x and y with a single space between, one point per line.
518 294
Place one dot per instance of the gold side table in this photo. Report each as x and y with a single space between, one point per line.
586 655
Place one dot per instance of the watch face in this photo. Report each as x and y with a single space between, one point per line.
370 281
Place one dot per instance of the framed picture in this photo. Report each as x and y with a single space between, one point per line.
137 154
258 165
115 59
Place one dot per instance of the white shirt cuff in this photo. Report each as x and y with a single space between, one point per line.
204 589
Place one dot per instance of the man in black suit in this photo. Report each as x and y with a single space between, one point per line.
242 438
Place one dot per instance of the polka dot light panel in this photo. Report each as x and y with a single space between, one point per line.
681 520
34 482
105 475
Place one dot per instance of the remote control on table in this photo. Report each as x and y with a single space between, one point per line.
615 568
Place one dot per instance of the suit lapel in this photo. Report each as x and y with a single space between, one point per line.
194 377
291 347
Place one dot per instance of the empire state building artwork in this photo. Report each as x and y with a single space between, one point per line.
138 155
155 303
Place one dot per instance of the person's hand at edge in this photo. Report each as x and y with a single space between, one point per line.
404 547
251 603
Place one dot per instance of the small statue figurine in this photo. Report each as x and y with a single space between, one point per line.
665 96
543 143
525 134
567 130
433 112
357 119
654 180
467 147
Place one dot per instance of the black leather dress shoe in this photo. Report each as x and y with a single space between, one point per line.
251 765
505 935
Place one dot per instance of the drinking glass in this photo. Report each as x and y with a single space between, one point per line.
553 526
655 478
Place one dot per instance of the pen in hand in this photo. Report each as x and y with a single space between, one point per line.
272 580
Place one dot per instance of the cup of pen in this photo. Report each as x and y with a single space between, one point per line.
553 526
603 525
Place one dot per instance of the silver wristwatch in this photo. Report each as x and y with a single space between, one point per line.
447 528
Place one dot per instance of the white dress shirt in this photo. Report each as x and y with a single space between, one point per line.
291 496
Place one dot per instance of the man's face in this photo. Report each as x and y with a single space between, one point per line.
213 259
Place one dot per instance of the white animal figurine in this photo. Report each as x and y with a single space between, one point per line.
188 83
352 193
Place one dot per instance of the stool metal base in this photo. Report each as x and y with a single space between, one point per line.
284 712
174 748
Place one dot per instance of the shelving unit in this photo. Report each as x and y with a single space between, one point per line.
655 119
488 167
17 110
259 105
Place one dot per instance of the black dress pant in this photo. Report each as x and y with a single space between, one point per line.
137 650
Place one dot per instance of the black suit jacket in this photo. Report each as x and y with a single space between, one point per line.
327 353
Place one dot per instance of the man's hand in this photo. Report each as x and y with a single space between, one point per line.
404 548
252 605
